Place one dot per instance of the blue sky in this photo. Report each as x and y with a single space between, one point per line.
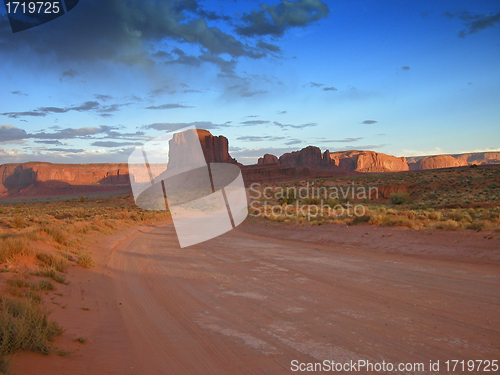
403 78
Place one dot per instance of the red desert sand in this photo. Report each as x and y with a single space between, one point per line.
255 299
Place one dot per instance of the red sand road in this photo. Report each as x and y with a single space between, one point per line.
248 303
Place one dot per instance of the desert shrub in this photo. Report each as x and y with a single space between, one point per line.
458 215
18 283
57 234
434 215
358 219
85 260
10 247
82 198
332 202
289 197
478 225
51 273
81 340
18 222
42 285
378 219
447 225
398 221
24 325
54 260
312 201
399 198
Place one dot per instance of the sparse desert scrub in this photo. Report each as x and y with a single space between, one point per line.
55 260
14 246
86 260
436 199
50 272
24 325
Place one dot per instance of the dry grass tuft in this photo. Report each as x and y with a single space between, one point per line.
24 325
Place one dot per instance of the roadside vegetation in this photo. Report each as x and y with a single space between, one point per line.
38 243
448 199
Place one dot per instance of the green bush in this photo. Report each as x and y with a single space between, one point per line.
399 198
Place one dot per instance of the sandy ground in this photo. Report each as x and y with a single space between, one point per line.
258 297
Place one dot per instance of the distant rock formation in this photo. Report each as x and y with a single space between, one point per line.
268 159
36 178
438 162
307 157
450 161
369 161
480 158
215 148
16 177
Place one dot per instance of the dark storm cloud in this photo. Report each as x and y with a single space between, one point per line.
168 106
369 122
17 92
253 138
294 126
125 31
475 22
329 89
276 19
281 112
405 67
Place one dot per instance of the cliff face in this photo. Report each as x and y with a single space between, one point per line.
215 148
480 158
440 161
307 157
456 160
16 177
268 159
368 161
358 161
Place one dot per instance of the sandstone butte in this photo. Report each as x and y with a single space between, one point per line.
36 178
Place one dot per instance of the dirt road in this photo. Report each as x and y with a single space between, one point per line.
247 304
